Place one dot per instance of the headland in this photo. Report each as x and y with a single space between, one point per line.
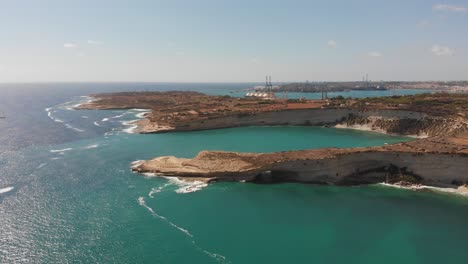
438 157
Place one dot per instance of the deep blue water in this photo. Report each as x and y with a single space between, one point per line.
24 105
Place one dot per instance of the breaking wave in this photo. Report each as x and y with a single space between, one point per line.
158 189
131 129
51 110
7 189
131 123
74 128
49 114
60 150
91 146
141 115
184 185
187 186
136 163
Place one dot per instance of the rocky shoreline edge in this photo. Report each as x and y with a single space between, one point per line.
438 158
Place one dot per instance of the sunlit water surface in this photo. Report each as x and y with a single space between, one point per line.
67 194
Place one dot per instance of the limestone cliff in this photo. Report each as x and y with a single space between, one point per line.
435 161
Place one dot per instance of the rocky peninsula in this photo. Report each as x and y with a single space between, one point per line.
439 157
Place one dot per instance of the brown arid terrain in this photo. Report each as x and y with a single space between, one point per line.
439 157
181 111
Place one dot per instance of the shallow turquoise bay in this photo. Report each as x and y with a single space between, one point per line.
84 205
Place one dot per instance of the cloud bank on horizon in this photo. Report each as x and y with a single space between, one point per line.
239 41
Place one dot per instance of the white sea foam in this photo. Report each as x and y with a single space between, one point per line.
50 110
130 123
55 158
86 100
141 115
49 114
184 186
118 116
141 201
41 165
84 116
459 191
132 127
218 257
60 150
187 186
7 189
158 189
91 146
109 133
136 163
74 128
105 119
96 124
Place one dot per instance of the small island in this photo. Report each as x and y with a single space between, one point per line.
437 157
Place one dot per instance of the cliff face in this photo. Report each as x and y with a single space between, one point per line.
386 121
323 166
441 159
425 126
375 167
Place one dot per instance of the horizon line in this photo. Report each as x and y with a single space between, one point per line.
223 82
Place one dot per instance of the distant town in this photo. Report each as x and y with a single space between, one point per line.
365 85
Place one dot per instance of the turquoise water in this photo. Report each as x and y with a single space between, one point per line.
77 201
80 202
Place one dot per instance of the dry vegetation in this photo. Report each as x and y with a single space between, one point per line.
182 107
438 104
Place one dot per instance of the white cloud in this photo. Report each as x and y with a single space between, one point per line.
374 54
450 8
95 42
2 68
332 44
69 45
442 50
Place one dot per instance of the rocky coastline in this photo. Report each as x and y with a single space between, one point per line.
438 158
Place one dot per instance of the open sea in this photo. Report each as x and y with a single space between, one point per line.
67 194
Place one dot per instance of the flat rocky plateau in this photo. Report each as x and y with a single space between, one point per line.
438 158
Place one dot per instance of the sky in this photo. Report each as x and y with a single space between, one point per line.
232 41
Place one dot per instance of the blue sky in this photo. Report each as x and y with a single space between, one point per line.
232 41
